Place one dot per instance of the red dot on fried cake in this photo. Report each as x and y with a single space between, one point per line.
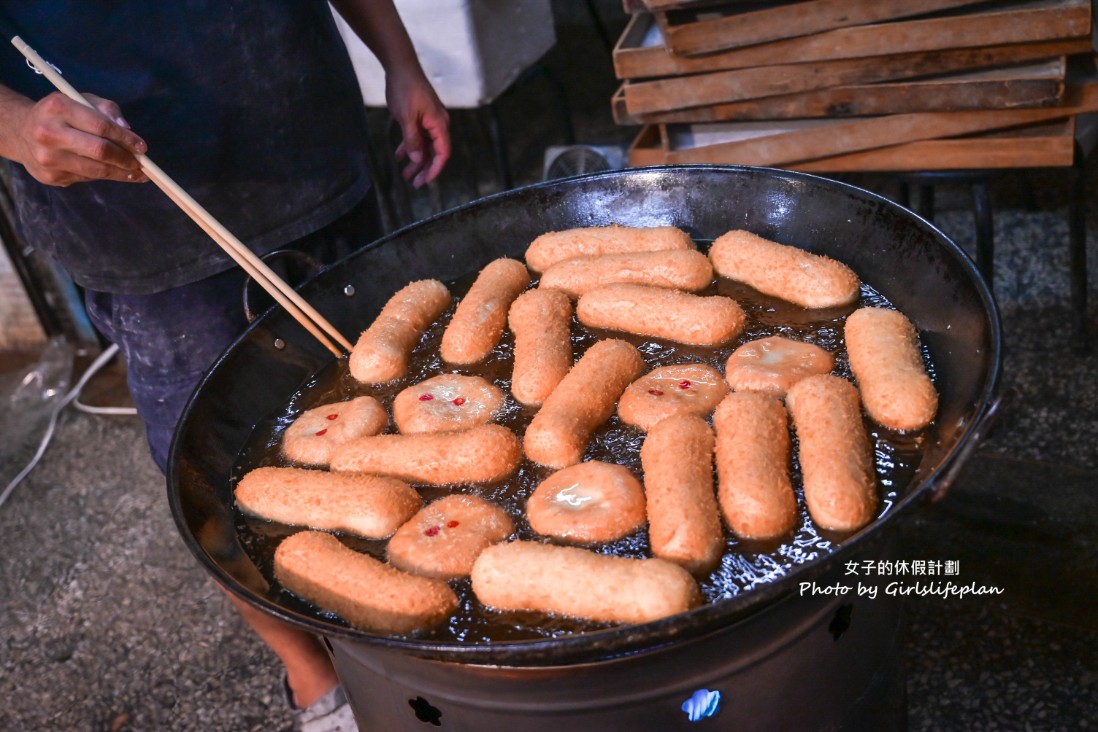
432 531
426 397
333 416
322 433
451 524
655 392
684 384
459 401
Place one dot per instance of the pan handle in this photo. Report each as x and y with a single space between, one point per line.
305 263
983 422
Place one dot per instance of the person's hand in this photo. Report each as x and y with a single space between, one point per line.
61 142
424 124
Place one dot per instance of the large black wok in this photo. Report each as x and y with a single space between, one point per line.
906 259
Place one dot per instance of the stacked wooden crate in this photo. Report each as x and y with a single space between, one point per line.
845 85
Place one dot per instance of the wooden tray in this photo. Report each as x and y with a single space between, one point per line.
692 32
1036 146
1024 85
1049 145
1063 25
722 87
788 142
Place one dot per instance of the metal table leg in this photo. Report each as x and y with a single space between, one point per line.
985 231
489 118
1077 223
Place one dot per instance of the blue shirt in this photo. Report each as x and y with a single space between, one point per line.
252 106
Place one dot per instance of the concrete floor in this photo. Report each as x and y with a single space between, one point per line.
108 623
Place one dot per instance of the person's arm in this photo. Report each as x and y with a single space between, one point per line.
61 142
424 122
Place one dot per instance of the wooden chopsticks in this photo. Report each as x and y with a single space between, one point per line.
285 295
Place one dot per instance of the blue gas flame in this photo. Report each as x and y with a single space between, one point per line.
702 705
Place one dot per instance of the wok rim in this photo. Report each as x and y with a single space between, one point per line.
596 645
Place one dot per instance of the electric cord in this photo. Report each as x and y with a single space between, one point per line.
103 411
55 413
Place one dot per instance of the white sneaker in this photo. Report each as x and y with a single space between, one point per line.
329 713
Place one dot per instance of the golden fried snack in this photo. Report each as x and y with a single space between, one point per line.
446 536
366 505
774 364
684 524
358 588
681 269
541 321
556 246
836 457
587 503
786 272
584 399
316 432
383 349
446 403
884 355
578 583
753 451
660 313
482 454
481 315
689 388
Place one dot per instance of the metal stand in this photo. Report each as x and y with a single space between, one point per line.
1077 228
600 27
977 181
981 209
489 118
